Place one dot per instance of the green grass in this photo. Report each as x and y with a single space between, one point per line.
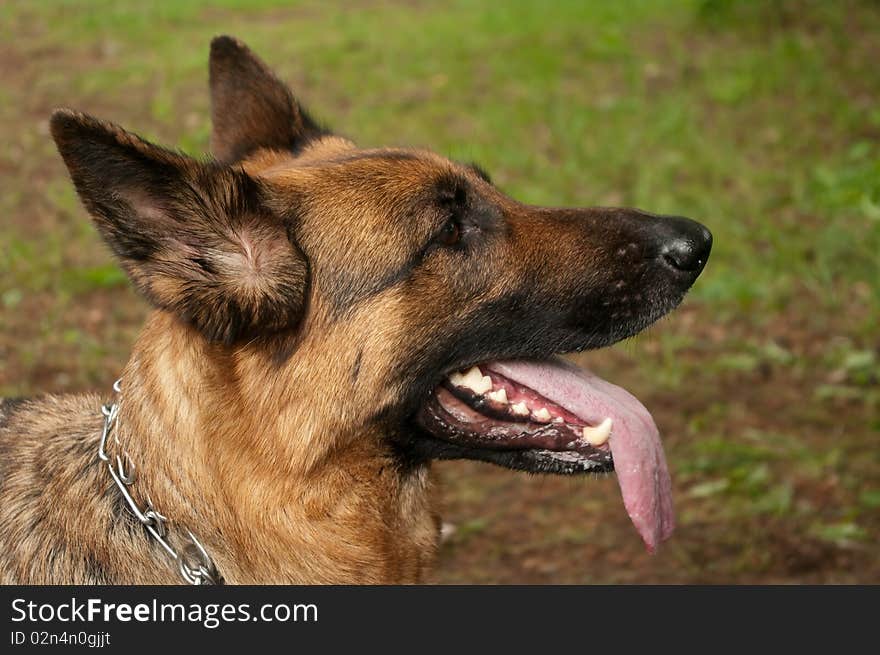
761 136
758 118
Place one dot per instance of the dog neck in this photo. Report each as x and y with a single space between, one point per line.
221 452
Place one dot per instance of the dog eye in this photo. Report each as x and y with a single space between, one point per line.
450 235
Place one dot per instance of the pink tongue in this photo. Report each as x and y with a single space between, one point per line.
635 440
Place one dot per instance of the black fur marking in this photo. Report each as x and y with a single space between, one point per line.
205 265
356 369
418 448
480 171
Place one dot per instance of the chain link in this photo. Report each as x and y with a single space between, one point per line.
193 562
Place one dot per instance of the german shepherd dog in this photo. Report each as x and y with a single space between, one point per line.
326 321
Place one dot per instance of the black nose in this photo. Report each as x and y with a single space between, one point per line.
684 245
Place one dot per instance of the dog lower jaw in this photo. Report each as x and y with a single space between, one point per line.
421 447
551 447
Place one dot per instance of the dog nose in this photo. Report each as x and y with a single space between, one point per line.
684 244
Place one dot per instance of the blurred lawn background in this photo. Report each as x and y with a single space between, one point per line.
760 119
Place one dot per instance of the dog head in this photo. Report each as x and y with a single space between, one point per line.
423 299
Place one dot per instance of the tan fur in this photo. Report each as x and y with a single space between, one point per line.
277 482
269 490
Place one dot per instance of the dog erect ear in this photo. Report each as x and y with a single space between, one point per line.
194 237
250 107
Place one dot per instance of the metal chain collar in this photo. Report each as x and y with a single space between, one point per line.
193 561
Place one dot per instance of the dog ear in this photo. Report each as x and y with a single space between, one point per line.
194 237
250 107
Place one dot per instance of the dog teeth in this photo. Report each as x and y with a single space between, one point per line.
472 379
499 396
520 409
460 379
559 419
543 415
598 435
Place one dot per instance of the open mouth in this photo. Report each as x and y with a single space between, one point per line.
551 416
